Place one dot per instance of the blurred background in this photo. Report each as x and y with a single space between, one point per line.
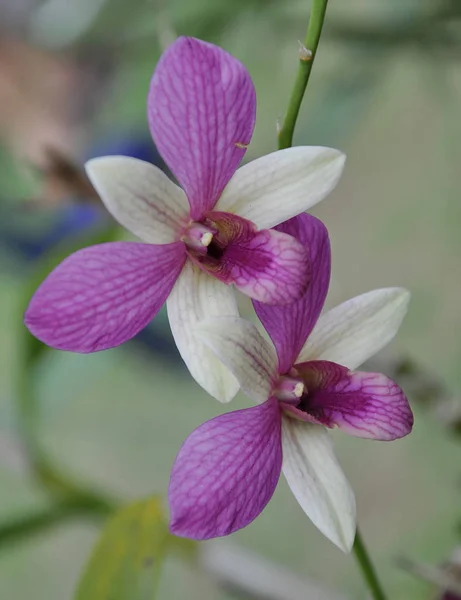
386 89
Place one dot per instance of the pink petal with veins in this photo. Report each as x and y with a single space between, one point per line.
366 405
226 472
290 326
271 267
102 296
201 110
268 265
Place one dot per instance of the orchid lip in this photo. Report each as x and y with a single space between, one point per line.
289 389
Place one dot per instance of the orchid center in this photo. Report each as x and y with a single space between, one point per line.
289 389
209 241
295 391
198 238
269 266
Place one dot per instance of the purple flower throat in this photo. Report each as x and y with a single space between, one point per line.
219 244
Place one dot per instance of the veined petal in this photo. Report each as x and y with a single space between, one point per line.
201 110
195 296
317 481
366 405
102 296
289 326
226 472
141 197
354 331
271 267
240 346
281 185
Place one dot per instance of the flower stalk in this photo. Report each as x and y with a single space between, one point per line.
367 569
307 55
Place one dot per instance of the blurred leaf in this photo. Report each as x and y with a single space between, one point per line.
346 97
17 182
424 27
208 19
22 528
62 178
183 547
127 560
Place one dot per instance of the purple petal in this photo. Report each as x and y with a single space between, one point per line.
290 326
366 405
101 296
226 472
201 110
271 267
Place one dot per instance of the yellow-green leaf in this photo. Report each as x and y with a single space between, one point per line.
127 560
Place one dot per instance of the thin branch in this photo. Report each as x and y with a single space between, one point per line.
306 56
18 529
447 577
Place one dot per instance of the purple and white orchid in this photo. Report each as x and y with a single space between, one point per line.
212 231
228 468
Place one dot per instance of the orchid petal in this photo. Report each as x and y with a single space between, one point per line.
243 350
283 184
354 331
195 296
141 197
317 480
271 267
366 405
201 111
102 296
226 472
289 326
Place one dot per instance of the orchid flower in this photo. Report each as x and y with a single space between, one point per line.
304 382
199 238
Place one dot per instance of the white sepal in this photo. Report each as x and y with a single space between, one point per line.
354 331
283 184
195 296
240 346
141 197
317 480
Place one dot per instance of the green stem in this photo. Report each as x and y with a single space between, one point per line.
311 43
18 529
367 568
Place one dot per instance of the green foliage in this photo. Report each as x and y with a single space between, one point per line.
17 182
127 560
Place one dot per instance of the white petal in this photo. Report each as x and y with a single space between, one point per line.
354 331
141 197
244 351
281 185
317 480
195 296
